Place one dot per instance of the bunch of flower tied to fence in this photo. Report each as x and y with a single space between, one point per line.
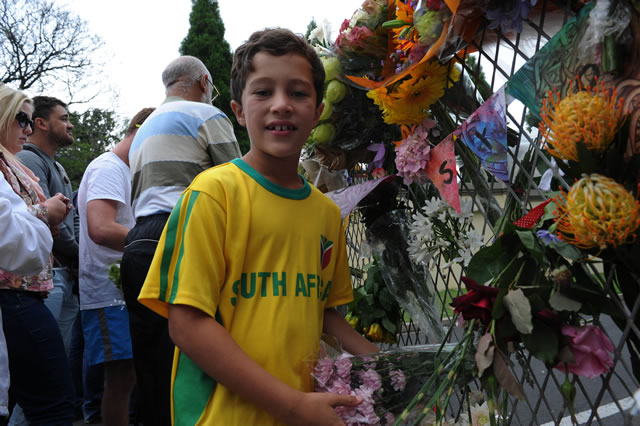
543 284
386 381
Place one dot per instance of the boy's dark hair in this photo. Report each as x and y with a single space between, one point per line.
43 105
276 42
138 119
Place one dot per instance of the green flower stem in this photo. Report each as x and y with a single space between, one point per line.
491 401
449 380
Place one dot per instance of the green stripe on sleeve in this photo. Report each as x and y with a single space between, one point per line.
169 245
176 273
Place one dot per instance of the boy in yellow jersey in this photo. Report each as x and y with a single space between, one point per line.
253 259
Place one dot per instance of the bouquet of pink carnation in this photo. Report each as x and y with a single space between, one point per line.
387 381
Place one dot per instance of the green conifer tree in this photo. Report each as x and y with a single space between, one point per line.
205 40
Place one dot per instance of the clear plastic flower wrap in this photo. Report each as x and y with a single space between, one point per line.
387 381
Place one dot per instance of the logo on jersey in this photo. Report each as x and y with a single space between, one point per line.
325 251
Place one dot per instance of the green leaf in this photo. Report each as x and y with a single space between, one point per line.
395 23
542 342
370 299
520 309
560 302
488 262
379 313
530 242
498 307
567 251
527 238
388 325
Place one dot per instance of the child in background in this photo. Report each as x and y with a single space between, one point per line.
253 259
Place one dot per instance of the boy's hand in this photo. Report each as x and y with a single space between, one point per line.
315 408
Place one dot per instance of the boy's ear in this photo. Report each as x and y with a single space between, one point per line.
239 112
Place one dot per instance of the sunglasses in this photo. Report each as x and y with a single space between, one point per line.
23 120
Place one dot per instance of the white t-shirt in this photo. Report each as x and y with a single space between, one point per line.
106 178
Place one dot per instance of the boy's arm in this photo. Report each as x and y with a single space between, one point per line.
211 347
352 341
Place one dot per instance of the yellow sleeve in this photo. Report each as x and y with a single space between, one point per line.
188 266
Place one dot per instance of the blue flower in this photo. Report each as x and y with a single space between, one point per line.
547 237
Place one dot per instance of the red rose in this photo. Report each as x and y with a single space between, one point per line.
477 303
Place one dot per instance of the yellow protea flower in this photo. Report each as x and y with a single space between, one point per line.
597 212
407 102
592 116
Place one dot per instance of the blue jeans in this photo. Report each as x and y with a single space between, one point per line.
88 380
40 374
65 308
63 304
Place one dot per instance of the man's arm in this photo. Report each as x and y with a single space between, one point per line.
102 226
25 241
212 348
352 341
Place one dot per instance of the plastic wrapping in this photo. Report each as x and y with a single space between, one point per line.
411 285
603 22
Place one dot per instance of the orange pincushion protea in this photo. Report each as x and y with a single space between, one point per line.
597 212
591 116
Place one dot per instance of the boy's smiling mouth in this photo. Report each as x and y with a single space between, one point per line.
279 127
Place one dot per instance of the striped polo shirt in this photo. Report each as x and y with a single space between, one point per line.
176 142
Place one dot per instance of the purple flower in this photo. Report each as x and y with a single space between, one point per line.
343 367
378 160
547 237
371 380
339 386
322 371
398 380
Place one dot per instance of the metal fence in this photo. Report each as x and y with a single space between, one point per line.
602 400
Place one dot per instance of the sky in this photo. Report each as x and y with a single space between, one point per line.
142 36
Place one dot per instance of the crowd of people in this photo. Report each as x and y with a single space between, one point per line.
230 265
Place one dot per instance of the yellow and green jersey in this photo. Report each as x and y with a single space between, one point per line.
265 261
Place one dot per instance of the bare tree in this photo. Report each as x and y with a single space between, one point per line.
44 48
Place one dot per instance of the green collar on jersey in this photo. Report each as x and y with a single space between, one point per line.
294 194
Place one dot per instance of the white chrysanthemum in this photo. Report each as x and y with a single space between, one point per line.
432 206
473 240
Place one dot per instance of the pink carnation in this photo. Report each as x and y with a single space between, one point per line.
398 380
590 348
371 380
322 371
339 386
343 367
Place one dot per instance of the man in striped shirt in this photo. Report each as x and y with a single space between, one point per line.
181 138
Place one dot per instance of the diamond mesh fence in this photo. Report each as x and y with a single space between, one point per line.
487 63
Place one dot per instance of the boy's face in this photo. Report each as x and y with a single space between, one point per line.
278 105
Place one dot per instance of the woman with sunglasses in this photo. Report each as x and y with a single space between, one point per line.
39 370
